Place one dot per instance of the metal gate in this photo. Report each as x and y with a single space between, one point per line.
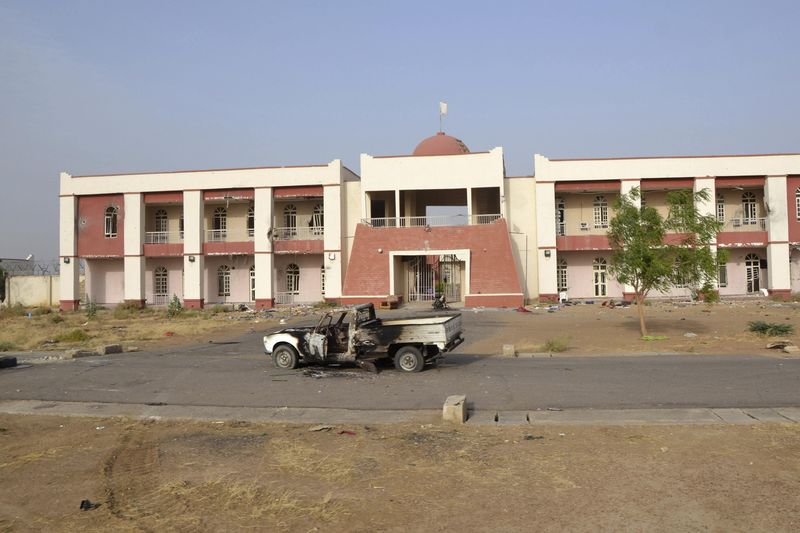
420 280
427 276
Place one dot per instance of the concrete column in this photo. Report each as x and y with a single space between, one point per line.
332 256
546 239
133 286
396 203
626 186
193 259
778 252
264 260
469 205
68 251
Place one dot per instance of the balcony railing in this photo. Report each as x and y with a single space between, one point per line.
160 299
745 224
229 235
313 233
439 220
163 237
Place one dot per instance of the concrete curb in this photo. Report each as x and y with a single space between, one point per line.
315 415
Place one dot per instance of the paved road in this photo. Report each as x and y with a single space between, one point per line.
238 374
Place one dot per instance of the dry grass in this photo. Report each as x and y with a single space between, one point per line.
299 459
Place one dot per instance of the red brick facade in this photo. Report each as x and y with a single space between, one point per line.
494 279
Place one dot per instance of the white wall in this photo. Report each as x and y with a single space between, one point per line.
105 281
310 279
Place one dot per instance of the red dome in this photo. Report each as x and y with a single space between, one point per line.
441 144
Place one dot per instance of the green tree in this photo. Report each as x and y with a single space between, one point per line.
650 252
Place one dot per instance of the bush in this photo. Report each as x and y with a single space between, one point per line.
14 310
56 319
76 335
219 308
556 345
39 311
91 309
175 307
770 329
7 346
708 295
127 310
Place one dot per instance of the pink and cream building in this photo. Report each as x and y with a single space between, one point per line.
442 219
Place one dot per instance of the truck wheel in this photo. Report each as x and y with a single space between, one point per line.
285 357
409 359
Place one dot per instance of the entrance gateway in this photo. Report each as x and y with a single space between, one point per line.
421 275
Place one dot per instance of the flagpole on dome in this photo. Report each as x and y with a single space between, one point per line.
442 113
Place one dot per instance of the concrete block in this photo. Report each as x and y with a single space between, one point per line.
110 348
455 409
483 418
509 351
512 418
794 350
74 354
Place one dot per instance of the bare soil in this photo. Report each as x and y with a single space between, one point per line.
188 476
676 327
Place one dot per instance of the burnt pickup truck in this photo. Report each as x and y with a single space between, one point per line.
357 336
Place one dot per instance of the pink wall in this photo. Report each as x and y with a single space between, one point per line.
580 280
105 281
174 266
795 270
240 278
737 274
310 279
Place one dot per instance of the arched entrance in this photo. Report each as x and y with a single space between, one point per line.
599 268
752 265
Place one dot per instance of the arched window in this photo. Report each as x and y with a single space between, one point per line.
720 207
561 228
797 202
752 265
160 285
317 220
253 283
600 212
749 209
161 220
111 221
292 279
251 221
561 275
599 274
219 224
224 280
290 219
322 278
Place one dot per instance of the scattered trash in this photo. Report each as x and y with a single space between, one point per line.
156 403
347 432
321 427
283 321
169 333
522 309
533 437
554 409
779 344
87 505
100 427
690 335
562 434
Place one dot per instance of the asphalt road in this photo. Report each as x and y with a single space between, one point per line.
237 373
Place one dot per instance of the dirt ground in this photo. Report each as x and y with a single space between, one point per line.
187 476
720 328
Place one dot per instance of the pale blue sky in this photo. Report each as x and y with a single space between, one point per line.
111 86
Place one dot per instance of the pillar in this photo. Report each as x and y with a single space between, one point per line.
133 286
778 252
626 186
264 259
69 298
193 259
332 244
546 238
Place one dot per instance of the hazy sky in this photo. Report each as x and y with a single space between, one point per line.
111 86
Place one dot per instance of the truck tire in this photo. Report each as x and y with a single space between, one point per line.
409 359
285 357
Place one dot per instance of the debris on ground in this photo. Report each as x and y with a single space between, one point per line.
321 427
533 437
347 432
522 309
87 505
689 335
779 344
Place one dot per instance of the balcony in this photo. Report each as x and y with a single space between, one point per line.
229 235
745 224
433 221
163 237
312 233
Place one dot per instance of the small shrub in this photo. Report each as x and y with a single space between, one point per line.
770 329
708 295
90 309
219 309
56 318
7 346
175 307
39 311
654 338
14 310
555 345
76 335
127 310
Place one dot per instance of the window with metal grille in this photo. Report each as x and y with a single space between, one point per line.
322 278
599 274
720 208
253 283
251 221
561 275
161 220
561 228
318 220
723 275
290 216
600 212
292 279
111 221
224 280
749 208
160 282
797 203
